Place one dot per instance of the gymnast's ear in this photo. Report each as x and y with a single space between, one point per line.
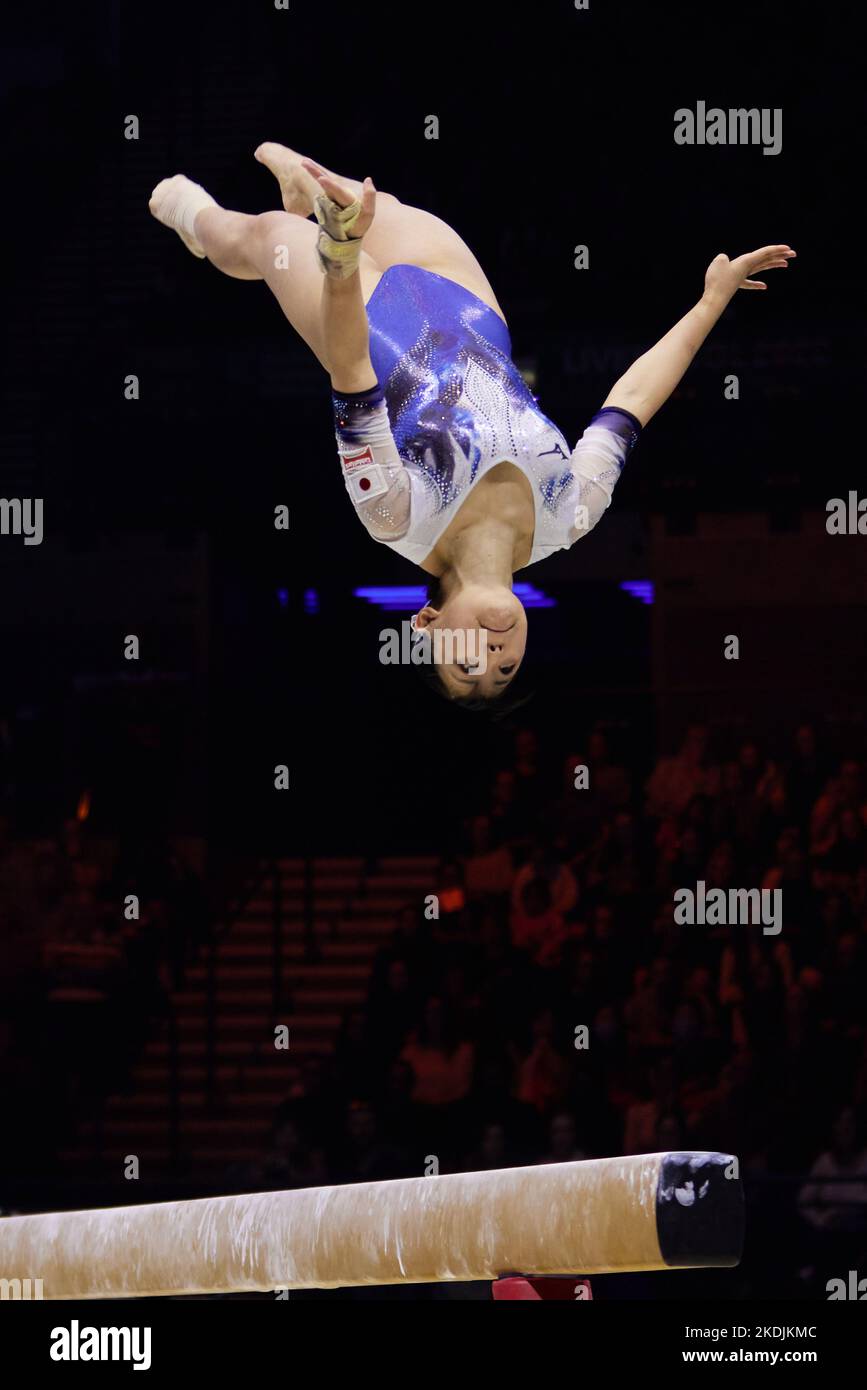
425 616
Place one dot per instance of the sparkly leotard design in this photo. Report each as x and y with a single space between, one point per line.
455 394
451 404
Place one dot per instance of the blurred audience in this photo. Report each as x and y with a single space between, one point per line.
551 1008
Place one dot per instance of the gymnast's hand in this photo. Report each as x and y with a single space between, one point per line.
345 197
724 277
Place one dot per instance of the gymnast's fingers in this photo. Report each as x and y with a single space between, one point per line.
336 191
312 167
774 251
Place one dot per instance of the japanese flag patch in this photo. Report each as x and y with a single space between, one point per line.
364 477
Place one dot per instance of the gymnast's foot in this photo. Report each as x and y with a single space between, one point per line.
298 188
176 202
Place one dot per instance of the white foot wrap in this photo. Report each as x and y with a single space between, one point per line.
339 252
176 202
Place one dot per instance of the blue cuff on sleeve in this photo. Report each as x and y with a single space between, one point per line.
349 398
355 411
621 423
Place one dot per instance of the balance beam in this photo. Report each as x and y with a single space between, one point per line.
603 1216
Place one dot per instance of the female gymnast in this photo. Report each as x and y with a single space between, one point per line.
445 453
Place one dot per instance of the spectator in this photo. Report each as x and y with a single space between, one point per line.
806 773
392 1008
838 1205
492 1150
493 1095
441 1062
610 781
676 780
364 1155
288 1161
529 791
507 819
537 927
563 1144
543 1076
546 863
488 870
644 1116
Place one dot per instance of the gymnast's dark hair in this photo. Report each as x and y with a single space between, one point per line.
498 707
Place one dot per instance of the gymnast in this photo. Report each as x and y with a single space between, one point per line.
445 453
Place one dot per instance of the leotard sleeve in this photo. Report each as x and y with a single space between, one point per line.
597 462
375 477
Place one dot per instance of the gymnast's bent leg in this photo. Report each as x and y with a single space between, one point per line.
401 235
277 247
244 246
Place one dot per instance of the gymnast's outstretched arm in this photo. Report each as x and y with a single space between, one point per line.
343 221
652 377
373 471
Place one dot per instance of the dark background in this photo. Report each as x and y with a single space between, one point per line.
556 129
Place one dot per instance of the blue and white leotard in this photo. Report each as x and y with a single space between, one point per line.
449 406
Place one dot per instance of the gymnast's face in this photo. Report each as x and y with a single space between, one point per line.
475 607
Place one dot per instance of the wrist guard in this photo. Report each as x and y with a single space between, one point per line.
338 251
